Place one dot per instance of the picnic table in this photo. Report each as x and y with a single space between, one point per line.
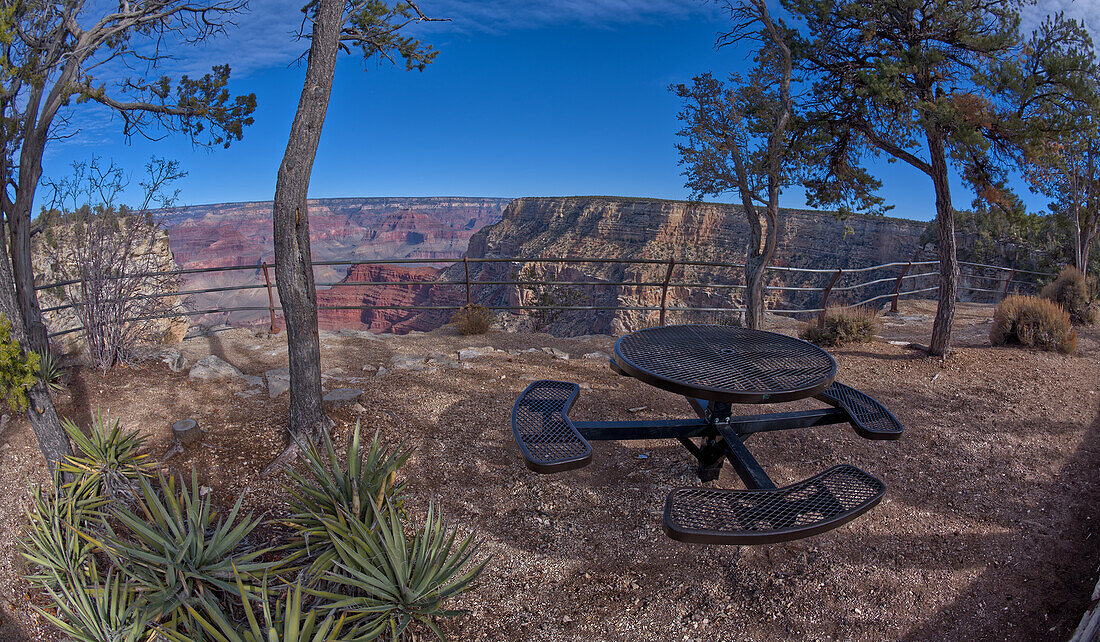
716 367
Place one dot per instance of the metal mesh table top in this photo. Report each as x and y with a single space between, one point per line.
726 364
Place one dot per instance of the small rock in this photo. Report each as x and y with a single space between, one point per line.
638 409
359 408
253 381
408 362
368 368
643 456
205 490
212 368
558 354
278 381
381 371
597 355
174 359
342 396
466 354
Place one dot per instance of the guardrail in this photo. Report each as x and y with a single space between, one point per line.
1003 279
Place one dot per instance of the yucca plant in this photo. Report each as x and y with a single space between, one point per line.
49 371
330 490
387 583
91 610
111 459
52 544
177 550
286 621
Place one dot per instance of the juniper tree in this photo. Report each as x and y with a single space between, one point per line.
57 56
935 85
375 27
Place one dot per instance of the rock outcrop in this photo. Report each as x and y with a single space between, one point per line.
400 286
686 231
235 234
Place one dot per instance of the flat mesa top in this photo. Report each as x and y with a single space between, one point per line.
725 363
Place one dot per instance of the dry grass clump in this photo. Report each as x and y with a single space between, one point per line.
1034 322
1072 290
842 325
473 319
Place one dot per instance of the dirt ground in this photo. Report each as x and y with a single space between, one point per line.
988 530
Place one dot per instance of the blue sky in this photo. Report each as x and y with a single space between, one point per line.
526 98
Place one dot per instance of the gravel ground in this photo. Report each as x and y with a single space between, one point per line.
987 531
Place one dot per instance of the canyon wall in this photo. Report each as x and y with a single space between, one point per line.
685 231
239 234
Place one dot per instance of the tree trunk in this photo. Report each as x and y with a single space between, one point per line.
293 266
940 343
52 440
19 223
754 291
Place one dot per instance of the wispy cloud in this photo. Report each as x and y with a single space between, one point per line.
1086 11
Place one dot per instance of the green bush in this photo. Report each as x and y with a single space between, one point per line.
842 326
1033 322
1074 293
164 566
473 319
18 370
110 459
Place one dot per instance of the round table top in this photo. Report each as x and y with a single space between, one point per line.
726 363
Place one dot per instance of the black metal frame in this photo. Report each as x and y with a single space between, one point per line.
722 435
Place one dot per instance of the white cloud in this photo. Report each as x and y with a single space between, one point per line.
1086 11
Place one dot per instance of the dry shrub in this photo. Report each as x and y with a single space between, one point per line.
1034 322
473 319
1073 292
842 325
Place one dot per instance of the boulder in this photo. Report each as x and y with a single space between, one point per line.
342 396
466 354
278 381
176 362
212 368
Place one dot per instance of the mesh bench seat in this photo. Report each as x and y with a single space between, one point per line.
815 505
541 426
870 419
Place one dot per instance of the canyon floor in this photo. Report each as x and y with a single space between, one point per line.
988 530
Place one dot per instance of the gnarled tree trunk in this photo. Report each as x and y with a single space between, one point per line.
293 267
940 343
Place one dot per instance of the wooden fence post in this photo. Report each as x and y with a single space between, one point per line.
1008 282
466 262
825 298
270 300
664 287
897 287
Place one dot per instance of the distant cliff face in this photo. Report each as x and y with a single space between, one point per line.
232 234
399 286
658 229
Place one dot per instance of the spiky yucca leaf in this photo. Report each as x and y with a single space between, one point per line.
91 610
330 490
114 460
177 551
49 371
53 545
383 579
282 619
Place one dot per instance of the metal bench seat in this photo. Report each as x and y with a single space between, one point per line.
548 439
763 516
870 419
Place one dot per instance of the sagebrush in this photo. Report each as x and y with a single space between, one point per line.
1075 293
1034 322
166 564
842 326
473 319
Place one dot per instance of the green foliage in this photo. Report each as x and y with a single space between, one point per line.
110 459
842 326
1033 322
548 299
286 621
329 490
1074 293
386 583
377 25
19 370
473 319
49 371
165 566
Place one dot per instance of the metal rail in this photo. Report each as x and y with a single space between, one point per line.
1005 280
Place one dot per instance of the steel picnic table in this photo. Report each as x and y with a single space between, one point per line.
716 367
